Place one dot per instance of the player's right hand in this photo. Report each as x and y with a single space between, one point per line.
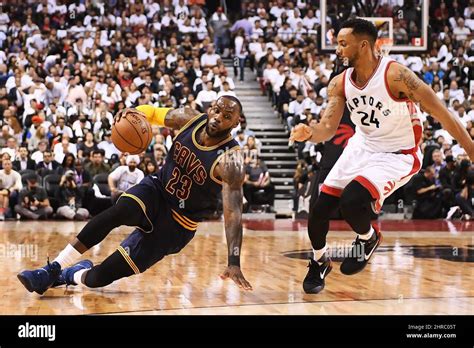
119 114
234 273
301 132
127 111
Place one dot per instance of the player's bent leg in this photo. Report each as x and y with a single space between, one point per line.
318 227
41 279
125 212
318 220
67 274
356 208
113 268
86 274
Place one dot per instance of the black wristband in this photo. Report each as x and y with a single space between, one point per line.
233 260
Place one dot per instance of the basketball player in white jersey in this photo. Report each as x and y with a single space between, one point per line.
383 98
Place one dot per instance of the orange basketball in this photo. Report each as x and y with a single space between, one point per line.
132 133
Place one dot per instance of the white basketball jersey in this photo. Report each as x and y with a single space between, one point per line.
384 123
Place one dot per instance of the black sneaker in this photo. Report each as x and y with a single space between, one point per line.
313 283
362 251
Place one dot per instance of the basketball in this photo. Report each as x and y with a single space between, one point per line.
132 132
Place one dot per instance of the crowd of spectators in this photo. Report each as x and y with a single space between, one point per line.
66 67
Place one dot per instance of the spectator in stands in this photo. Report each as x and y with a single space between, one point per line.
219 25
87 146
210 59
427 193
23 162
33 202
107 145
465 197
4 135
287 94
37 156
10 185
64 147
63 129
205 97
97 165
301 180
11 148
81 126
117 161
48 165
437 164
446 174
39 134
241 53
159 155
243 24
241 138
295 109
257 178
461 32
124 177
70 198
150 168
67 164
250 150
225 90
82 177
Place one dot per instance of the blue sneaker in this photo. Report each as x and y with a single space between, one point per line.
67 275
41 279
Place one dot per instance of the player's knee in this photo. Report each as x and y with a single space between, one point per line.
354 198
121 206
128 211
122 212
322 209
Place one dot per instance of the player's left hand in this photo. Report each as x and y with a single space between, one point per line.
234 273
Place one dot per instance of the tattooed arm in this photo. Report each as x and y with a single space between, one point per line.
327 127
177 118
232 172
171 118
403 83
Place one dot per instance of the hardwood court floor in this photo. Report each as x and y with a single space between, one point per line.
421 268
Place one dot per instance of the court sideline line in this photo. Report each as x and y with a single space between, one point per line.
283 303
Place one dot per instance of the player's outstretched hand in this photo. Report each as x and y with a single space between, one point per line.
301 132
234 273
124 112
119 114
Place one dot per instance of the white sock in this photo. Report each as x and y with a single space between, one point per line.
78 277
319 253
68 256
367 235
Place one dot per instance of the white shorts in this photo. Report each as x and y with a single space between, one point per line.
381 173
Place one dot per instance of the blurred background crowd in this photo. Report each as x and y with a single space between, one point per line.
66 67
